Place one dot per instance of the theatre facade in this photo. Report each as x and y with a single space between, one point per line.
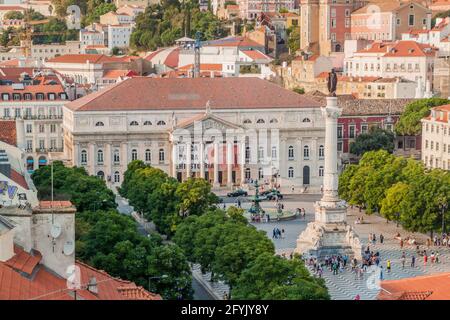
229 131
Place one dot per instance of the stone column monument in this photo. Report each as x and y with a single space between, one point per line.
329 234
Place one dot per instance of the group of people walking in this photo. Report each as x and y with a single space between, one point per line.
277 233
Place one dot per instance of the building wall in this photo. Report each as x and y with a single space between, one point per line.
436 144
43 52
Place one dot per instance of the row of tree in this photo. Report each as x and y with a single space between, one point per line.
235 252
163 199
110 241
401 189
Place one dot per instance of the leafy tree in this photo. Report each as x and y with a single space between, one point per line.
195 196
391 204
293 39
99 10
299 90
271 277
409 123
74 184
13 15
376 139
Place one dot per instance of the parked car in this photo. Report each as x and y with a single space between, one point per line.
237 193
272 194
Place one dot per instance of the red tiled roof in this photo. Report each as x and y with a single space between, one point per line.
114 74
445 114
143 93
256 55
84 58
172 58
8 133
203 67
45 285
411 49
55 204
19 179
429 287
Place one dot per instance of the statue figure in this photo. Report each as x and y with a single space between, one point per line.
332 83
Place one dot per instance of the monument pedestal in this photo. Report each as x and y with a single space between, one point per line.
329 234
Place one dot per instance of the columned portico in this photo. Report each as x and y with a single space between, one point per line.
216 164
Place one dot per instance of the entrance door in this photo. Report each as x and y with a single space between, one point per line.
306 175
207 175
179 176
220 177
233 176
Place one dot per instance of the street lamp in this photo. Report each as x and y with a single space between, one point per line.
443 206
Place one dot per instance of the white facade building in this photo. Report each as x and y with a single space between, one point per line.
436 138
278 134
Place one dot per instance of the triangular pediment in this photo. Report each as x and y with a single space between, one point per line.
208 121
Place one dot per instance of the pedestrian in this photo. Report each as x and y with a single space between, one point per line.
370 237
224 206
268 217
357 297
388 266
282 233
425 259
374 239
437 257
239 203
401 243
403 260
413 261
381 273
381 238
274 234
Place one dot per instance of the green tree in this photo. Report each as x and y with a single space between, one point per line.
195 196
376 139
293 39
391 204
409 123
99 10
13 15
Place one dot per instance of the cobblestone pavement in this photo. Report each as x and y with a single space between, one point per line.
344 286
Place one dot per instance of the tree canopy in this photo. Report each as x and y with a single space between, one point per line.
409 123
375 139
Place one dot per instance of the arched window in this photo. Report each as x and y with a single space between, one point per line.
161 155
116 156
116 177
305 152
100 156
247 121
274 152
321 171
42 161
134 155
83 156
147 123
134 123
291 153
99 124
306 120
260 121
290 172
273 120
321 152
148 155
101 175
260 173
161 123
248 174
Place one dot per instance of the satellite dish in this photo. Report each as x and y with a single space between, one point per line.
56 230
69 247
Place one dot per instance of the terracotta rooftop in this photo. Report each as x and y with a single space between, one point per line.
143 93
19 179
256 55
17 284
203 67
84 58
8 133
55 204
441 117
429 287
232 42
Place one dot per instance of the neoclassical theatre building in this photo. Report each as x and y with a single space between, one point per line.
230 131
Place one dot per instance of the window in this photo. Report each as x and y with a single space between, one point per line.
99 124
321 171
247 121
16 96
100 157
339 132
339 146
274 152
248 174
247 153
134 155
147 123
321 152
39 96
116 177
291 153
260 153
306 120
274 121
411 20
17 113
101 175
148 155
351 133
41 128
306 152
260 121
53 128
161 123
134 123
260 173
5 96
364 128
6 113
116 156
290 172
29 128
161 155
83 157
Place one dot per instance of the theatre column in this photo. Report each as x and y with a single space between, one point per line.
188 160
174 160
202 160
230 164
242 161
216 164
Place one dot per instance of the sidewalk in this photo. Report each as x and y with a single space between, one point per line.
215 289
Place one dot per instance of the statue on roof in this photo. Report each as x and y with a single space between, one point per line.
332 83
